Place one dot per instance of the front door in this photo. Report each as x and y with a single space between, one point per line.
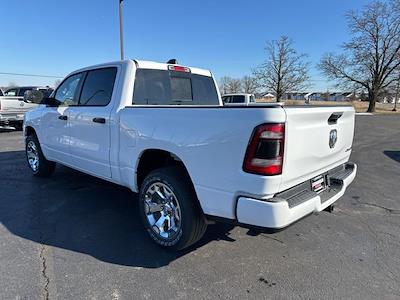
55 132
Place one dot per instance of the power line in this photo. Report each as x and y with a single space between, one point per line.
30 75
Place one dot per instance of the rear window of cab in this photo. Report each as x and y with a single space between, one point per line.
163 87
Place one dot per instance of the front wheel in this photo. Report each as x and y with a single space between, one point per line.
170 210
38 164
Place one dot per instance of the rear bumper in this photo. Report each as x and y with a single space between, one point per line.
296 203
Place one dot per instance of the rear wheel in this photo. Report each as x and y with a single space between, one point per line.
38 164
170 210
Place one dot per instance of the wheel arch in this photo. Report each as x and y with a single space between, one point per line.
152 159
29 130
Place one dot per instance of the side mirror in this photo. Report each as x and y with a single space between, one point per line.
33 96
49 102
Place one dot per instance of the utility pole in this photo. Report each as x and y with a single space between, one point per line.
121 34
396 97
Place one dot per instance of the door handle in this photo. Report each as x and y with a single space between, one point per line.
63 118
99 120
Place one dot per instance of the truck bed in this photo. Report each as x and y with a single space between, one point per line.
216 137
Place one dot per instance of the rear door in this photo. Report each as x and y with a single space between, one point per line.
317 139
89 123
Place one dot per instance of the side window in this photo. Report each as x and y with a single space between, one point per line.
204 91
226 99
252 99
98 87
152 87
66 92
237 99
162 87
22 91
11 92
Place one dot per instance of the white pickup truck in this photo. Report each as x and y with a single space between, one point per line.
161 130
238 99
13 107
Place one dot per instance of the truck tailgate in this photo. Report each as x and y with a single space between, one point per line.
317 139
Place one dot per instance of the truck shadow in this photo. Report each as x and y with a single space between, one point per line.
395 155
80 213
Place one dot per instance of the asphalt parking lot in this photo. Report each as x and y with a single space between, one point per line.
73 236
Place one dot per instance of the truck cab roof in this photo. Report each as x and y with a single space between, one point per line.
144 64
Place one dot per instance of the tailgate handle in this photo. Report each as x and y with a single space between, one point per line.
334 117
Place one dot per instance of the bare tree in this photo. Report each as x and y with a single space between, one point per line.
249 84
223 84
284 69
230 85
372 56
234 85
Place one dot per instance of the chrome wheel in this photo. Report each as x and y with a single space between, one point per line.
32 155
162 210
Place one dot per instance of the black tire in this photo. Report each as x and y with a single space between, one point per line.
45 168
192 220
18 125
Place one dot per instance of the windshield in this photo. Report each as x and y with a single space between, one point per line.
162 87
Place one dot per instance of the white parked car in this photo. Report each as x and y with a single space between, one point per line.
13 107
238 99
161 130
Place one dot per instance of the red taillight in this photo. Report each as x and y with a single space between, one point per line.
264 153
178 69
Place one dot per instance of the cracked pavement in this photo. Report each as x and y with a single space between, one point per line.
77 237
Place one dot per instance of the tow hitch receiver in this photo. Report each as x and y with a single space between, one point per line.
330 208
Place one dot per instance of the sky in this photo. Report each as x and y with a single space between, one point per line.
53 38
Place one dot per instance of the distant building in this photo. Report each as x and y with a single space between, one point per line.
317 96
295 96
265 96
